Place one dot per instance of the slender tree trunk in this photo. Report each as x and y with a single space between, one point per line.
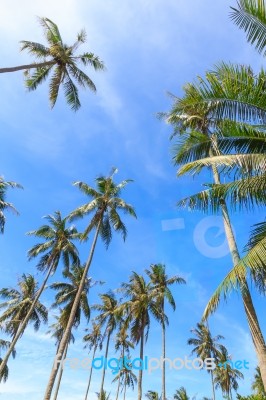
125 390
118 387
89 383
140 371
60 374
119 377
250 311
213 389
24 323
163 355
105 360
67 332
27 66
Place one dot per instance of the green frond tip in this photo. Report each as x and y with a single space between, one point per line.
251 17
254 262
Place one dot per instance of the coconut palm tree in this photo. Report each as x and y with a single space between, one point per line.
122 344
65 297
4 205
94 340
138 307
105 204
59 59
203 137
108 319
206 346
103 396
58 245
17 303
181 394
257 385
160 285
127 378
4 345
151 395
226 377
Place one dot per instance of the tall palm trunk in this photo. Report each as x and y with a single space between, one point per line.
140 371
105 360
213 389
118 387
125 390
119 377
89 383
27 66
163 355
24 323
211 371
60 374
250 311
71 320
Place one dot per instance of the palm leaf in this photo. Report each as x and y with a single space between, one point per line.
51 31
253 261
36 49
247 164
55 82
82 79
37 77
71 93
251 17
91 59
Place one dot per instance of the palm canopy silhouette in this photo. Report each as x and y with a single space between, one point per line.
60 60
4 205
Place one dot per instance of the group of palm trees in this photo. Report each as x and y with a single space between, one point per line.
218 124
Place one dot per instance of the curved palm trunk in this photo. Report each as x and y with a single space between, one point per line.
105 359
24 323
60 375
89 383
140 371
70 323
27 66
250 311
163 356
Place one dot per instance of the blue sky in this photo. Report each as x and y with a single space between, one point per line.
149 47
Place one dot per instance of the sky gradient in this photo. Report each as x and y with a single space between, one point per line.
149 47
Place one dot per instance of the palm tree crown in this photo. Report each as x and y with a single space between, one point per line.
58 243
105 204
59 59
17 304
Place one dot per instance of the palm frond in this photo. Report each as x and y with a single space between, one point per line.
247 164
36 49
82 79
37 77
56 80
254 262
71 93
91 59
251 16
51 31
